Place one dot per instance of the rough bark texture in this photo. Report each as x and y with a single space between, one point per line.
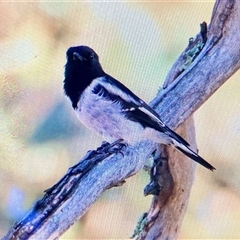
217 61
165 216
68 200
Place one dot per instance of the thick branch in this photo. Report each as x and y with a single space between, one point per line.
164 219
219 59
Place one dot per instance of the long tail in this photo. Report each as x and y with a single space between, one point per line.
191 154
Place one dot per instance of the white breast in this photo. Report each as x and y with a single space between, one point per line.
106 118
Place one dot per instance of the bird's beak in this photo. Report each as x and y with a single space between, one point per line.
78 56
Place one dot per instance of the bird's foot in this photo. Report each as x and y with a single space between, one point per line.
113 148
118 146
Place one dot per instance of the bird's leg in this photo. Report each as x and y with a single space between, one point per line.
112 148
105 144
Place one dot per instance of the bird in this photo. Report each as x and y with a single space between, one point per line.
106 106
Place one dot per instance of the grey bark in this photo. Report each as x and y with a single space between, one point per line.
79 189
218 60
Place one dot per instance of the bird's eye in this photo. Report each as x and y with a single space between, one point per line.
91 57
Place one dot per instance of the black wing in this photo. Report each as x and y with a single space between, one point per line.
132 106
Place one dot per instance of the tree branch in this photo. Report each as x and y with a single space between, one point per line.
68 200
206 73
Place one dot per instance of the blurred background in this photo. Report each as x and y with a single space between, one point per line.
41 138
